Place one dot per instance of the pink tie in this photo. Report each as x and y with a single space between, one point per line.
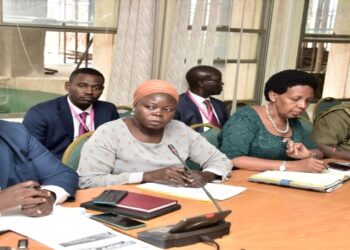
82 129
211 116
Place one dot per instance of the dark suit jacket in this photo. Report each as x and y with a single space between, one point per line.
51 122
188 112
23 158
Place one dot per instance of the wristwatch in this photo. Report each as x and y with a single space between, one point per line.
283 166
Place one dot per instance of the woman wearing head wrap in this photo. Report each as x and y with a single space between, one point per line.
135 149
270 137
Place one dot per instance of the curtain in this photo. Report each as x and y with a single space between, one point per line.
133 51
188 46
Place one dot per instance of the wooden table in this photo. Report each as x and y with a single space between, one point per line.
263 217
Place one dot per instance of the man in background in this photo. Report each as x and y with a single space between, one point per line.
197 105
331 131
56 123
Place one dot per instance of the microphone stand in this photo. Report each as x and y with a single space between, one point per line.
174 151
189 230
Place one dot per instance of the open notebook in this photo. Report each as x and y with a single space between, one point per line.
326 181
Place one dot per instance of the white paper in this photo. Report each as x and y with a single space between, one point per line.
315 179
70 228
218 191
344 174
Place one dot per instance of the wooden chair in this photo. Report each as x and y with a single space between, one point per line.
71 155
211 134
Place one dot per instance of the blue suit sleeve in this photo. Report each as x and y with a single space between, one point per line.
115 113
50 170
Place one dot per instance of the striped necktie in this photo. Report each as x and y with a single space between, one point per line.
82 129
211 116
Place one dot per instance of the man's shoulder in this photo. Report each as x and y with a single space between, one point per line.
186 106
104 104
338 110
12 130
184 100
6 124
213 99
183 97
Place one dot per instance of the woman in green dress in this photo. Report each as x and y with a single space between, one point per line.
270 137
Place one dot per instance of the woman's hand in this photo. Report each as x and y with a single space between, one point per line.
200 178
22 194
307 165
171 175
179 177
297 150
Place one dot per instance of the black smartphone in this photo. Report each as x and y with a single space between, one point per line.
343 166
118 220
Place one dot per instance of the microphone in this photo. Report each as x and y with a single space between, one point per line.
189 230
188 170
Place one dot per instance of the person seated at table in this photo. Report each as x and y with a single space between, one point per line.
197 105
30 176
58 122
331 132
270 137
135 149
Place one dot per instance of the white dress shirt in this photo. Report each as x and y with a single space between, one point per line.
200 100
90 124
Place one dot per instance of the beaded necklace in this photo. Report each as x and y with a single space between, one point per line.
273 122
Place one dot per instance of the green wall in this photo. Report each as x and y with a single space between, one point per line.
19 101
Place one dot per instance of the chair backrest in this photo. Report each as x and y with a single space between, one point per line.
239 104
71 155
211 135
323 105
125 111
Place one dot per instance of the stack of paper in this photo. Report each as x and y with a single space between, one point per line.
327 181
218 191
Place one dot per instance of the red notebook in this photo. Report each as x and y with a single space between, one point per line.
143 202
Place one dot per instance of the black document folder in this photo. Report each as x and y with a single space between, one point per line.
128 212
